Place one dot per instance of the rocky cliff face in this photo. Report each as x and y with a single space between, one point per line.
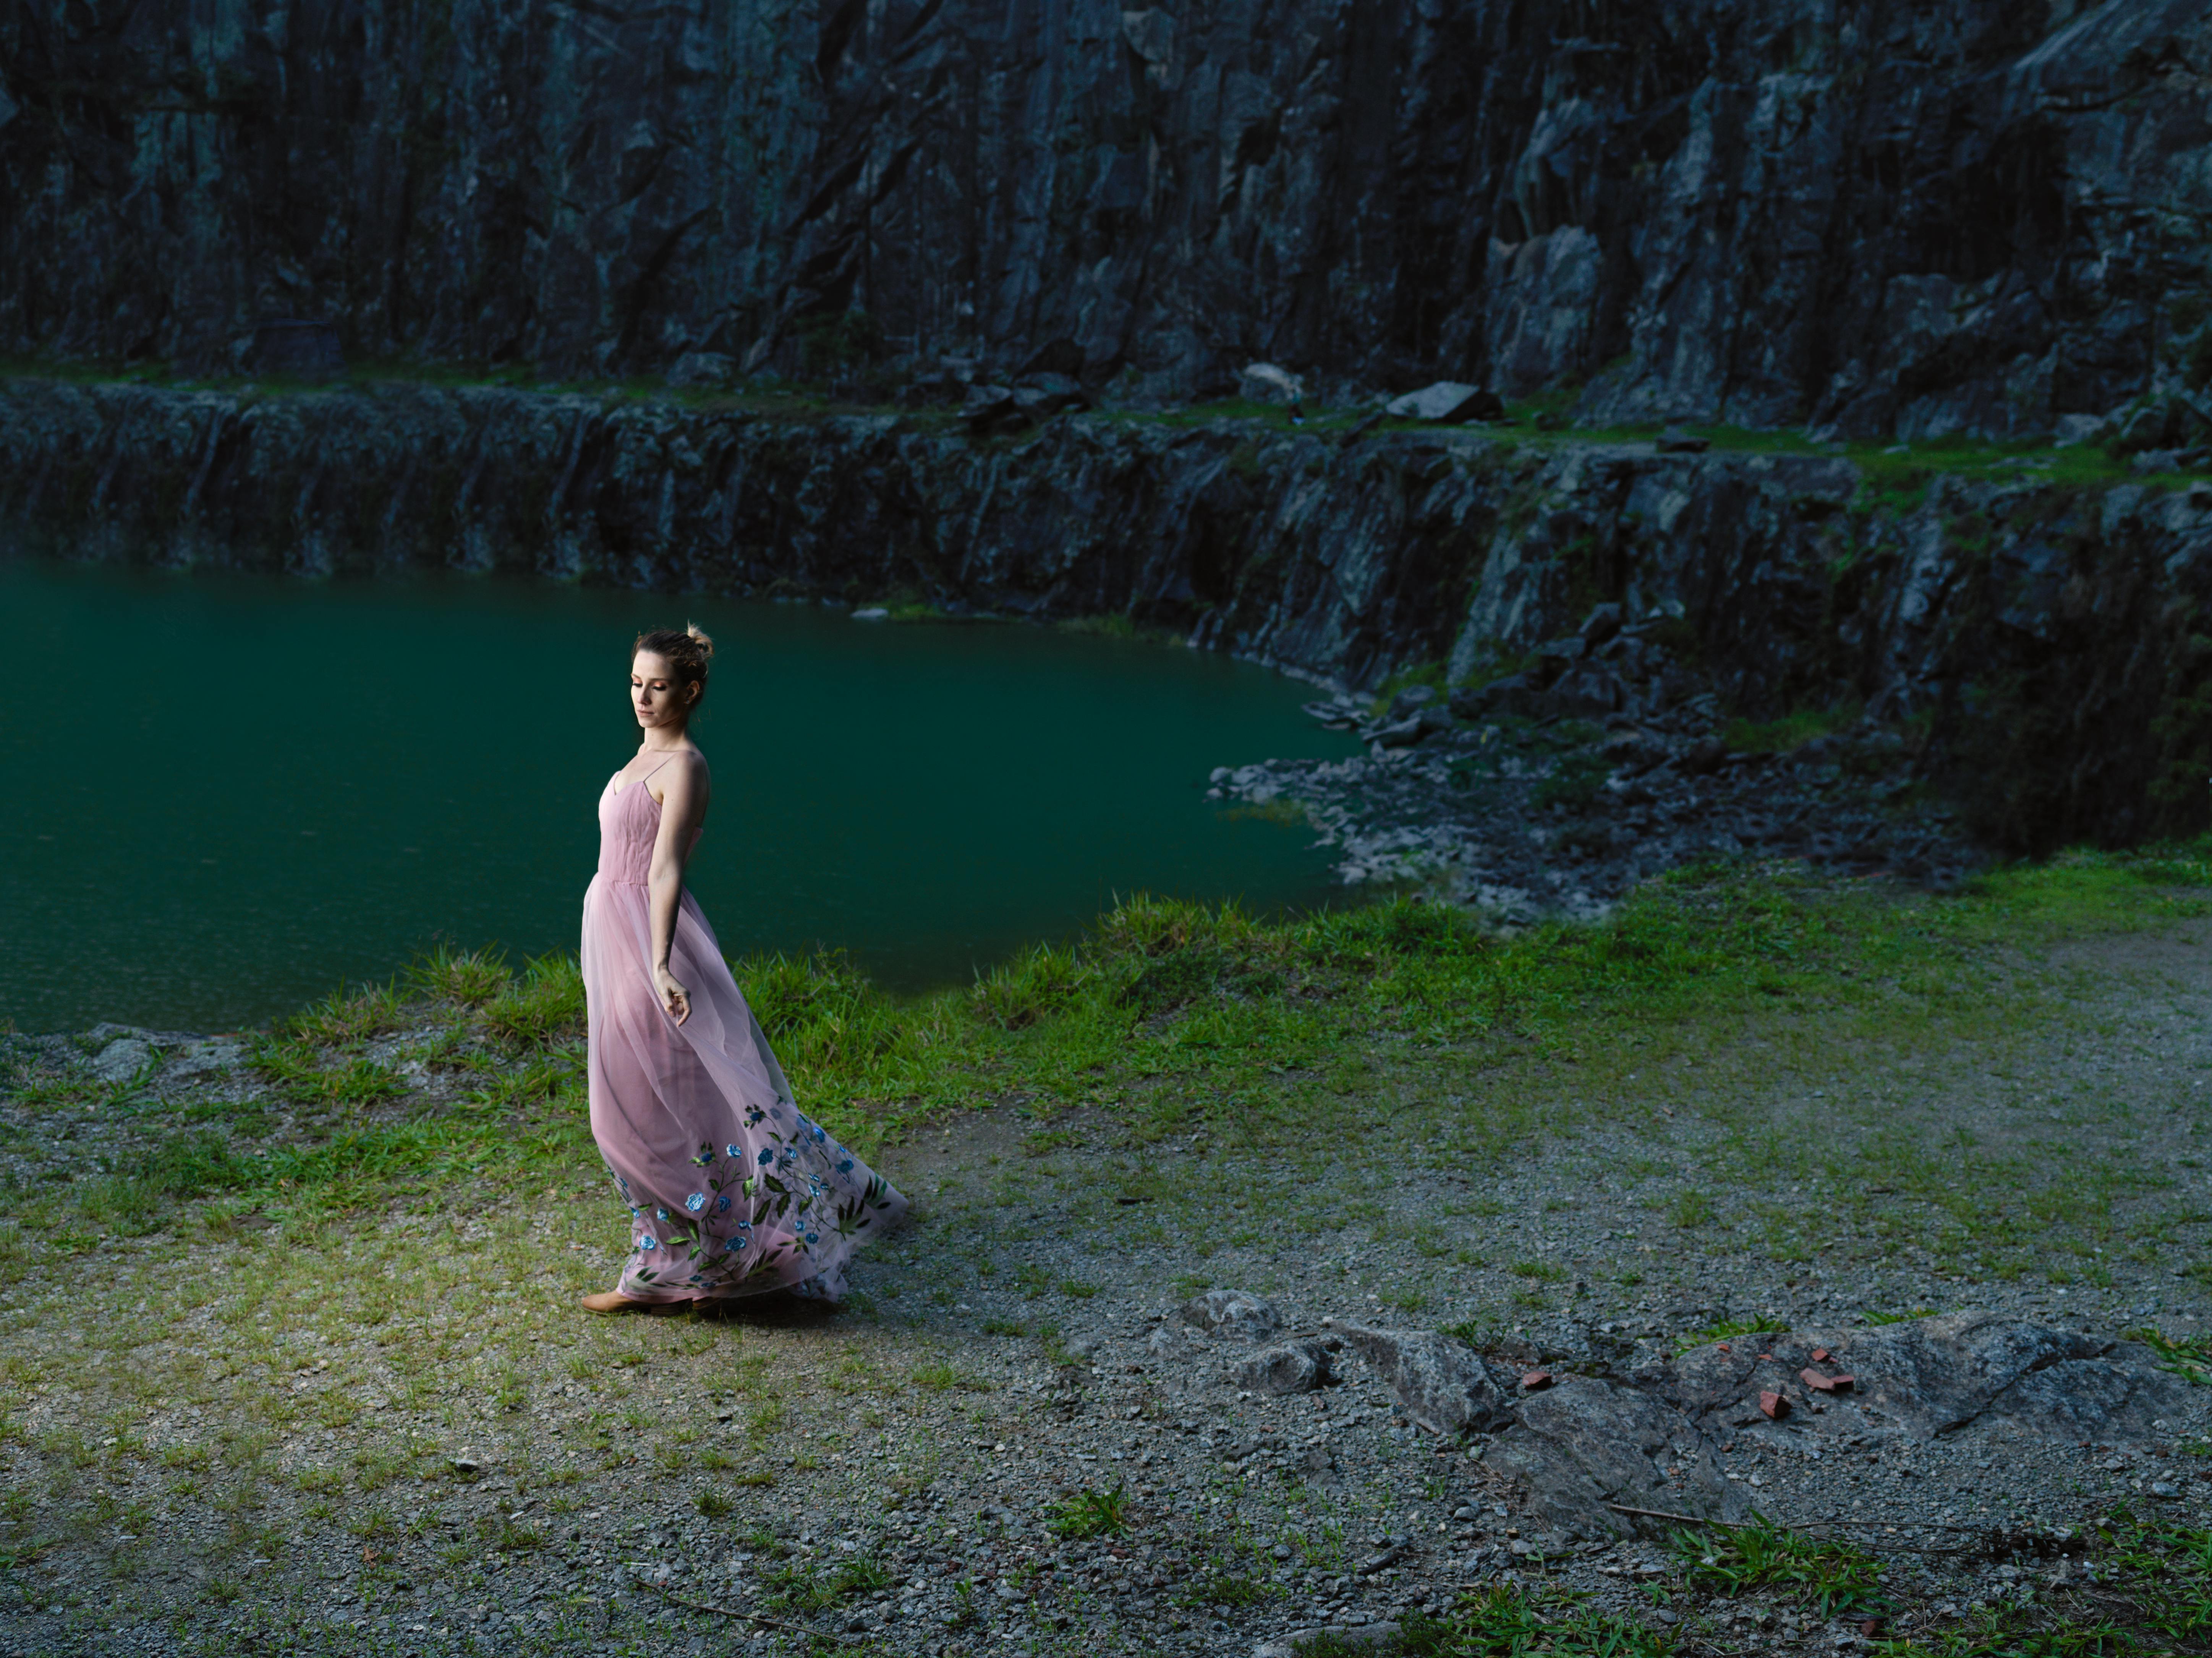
1869 215
2047 644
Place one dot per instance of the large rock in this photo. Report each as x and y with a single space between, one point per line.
1443 1384
1447 403
1264 382
1934 1376
1290 1367
1584 1444
1232 1315
120 1061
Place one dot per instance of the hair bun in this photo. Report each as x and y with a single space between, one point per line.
699 637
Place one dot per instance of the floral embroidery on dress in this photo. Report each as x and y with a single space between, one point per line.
758 1209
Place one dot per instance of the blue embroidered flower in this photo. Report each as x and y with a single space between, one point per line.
722 1204
731 1246
813 1238
846 1167
661 1214
767 1156
734 1150
815 1128
646 1243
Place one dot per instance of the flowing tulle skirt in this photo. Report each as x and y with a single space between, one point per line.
732 1190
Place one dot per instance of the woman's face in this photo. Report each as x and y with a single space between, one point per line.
655 694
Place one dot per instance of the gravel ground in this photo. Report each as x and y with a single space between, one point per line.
227 1437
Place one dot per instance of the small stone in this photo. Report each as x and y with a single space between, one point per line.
1773 1405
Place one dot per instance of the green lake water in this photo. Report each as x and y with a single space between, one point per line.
222 796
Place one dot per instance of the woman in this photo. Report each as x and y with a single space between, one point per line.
732 1190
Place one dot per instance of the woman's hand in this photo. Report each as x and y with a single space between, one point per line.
673 996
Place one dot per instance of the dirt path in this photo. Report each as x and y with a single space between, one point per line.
397 1435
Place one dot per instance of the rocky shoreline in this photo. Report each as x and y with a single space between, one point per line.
2033 632
1551 792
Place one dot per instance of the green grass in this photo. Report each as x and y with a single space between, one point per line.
795 1589
1831 1579
1173 1020
1089 1512
1726 1330
1793 731
2187 1356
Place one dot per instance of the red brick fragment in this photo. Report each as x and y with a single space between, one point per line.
1774 1405
1827 1384
1535 1379
1820 1355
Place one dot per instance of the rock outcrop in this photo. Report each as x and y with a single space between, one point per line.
2045 645
1969 215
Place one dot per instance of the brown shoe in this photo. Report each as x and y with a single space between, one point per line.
613 1301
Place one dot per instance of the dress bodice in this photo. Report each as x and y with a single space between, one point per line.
626 833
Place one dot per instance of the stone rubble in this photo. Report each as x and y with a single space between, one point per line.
1553 791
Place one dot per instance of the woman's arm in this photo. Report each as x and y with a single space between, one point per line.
682 807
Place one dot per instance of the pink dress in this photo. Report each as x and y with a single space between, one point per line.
732 1190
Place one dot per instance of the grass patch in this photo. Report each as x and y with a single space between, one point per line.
1091 1513
1504 1622
1726 1330
1792 731
2187 1357
794 1588
1834 1579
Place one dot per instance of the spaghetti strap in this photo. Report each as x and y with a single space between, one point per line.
649 776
